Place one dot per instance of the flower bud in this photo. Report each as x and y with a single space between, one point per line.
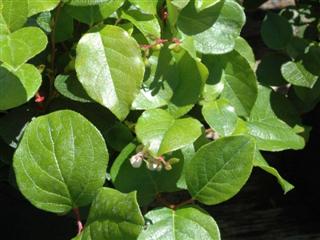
152 165
136 160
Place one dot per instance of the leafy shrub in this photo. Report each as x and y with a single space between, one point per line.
113 103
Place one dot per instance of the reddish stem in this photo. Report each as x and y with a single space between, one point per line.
183 203
78 217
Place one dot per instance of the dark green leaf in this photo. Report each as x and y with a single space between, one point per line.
214 29
276 31
113 216
61 162
182 224
220 169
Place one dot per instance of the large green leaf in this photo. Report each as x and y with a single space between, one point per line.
162 133
18 86
147 24
276 31
61 162
14 12
214 29
271 133
113 216
220 169
260 162
37 6
186 223
295 73
180 3
149 7
94 14
220 116
18 47
238 78
110 68
147 183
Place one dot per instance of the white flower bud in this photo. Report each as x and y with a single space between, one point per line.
152 165
136 160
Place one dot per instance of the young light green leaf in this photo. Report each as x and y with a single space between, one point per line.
276 31
110 68
147 24
220 116
18 47
93 14
260 162
162 133
37 6
185 223
220 169
271 133
149 7
147 183
298 75
18 86
215 28
14 13
113 216
61 162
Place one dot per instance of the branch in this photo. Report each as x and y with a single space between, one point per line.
78 217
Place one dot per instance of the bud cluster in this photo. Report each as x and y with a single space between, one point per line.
152 163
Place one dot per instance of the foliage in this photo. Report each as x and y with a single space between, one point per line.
167 89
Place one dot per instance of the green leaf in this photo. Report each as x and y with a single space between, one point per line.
18 86
180 3
147 183
147 24
220 169
239 80
15 13
113 216
215 28
270 132
110 68
93 14
61 162
311 60
269 72
220 116
85 3
156 91
22 45
149 7
295 73
203 4
162 133
119 136
276 31
192 76
185 223
244 49
260 162
37 6
69 86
